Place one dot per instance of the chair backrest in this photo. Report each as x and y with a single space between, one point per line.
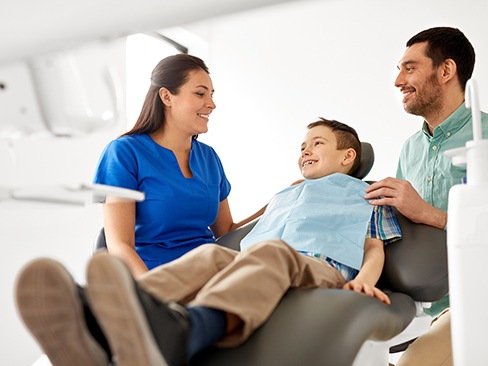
417 264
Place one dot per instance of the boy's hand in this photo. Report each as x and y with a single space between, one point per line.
359 286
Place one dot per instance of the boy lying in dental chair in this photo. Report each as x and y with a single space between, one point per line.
312 235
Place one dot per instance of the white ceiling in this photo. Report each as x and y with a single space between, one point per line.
29 27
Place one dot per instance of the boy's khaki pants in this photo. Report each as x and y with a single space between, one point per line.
247 284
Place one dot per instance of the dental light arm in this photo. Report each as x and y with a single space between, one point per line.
69 195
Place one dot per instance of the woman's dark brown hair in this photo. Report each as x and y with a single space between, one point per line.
170 73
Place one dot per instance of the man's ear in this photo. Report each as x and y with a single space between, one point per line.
166 96
448 70
349 157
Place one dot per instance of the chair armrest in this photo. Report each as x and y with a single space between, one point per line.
233 239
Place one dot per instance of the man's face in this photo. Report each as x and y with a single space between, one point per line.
418 81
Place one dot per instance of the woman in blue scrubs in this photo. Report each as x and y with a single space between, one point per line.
183 179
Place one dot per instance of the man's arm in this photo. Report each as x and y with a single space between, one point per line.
368 276
401 194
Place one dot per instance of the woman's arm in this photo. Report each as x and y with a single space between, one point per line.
368 276
119 223
224 222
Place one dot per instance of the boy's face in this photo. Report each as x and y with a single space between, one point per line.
320 156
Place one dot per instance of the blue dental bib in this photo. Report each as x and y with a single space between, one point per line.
328 215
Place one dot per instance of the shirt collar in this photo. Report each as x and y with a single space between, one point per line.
451 124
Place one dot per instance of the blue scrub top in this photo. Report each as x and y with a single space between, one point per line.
177 212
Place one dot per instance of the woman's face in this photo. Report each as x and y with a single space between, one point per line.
190 108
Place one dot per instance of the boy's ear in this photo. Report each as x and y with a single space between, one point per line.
165 96
349 157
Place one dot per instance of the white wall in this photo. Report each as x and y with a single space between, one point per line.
274 71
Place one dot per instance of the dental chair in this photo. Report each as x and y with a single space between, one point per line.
336 327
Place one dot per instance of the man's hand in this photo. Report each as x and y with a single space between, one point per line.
401 194
398 193
359 286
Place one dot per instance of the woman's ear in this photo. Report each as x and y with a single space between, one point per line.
166 96
349 157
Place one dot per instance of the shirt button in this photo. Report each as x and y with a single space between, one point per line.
434 148
429 179
448 134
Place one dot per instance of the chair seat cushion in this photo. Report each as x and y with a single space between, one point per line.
317 327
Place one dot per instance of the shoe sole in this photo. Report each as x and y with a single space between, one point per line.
48 302
112 297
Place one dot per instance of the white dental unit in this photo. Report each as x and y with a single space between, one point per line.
467 241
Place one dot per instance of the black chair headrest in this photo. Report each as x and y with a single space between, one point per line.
367 160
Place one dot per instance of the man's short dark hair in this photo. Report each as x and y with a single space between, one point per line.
444 43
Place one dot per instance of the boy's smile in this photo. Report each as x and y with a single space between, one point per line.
308 162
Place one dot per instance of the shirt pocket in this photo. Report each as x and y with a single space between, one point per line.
445 180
